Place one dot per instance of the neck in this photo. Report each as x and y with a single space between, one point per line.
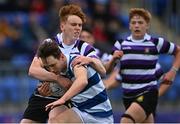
67 40
138 37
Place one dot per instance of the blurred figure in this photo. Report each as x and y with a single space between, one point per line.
87 36
110 79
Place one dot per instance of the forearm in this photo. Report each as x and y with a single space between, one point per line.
109 66
111 81
77 87
176 62
37 71
98 66
42 74
164 86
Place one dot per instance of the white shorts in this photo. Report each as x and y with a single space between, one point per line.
87 118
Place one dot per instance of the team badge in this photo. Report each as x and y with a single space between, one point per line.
146 50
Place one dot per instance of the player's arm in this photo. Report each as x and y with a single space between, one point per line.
112 82
97 65
170 75
164 86
109 65
92 61
78 85
37 71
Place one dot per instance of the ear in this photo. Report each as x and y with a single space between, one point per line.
61 27
62 24
62 56
148 26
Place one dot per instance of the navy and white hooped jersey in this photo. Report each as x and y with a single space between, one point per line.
78 48
93 98
138 64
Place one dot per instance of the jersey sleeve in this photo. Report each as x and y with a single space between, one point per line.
117 46
88 50
166 47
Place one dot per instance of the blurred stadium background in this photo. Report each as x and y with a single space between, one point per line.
24 23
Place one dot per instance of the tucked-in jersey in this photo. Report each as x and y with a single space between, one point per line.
78 48
138 64
93 98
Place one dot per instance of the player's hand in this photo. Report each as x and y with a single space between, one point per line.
81 60
117 54
44 89
169 76
55 103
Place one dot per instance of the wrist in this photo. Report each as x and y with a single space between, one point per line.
90 60
174 69
56 78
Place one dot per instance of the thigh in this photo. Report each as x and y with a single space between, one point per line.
150 119
149 102
68 116
136 112
144 105
57 110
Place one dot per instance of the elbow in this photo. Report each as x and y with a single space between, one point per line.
103 72
84 83
31 72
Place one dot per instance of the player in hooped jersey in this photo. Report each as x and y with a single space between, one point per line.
72 18
87 93
138 68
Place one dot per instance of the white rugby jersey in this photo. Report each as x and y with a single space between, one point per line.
79 48
93 98
138 64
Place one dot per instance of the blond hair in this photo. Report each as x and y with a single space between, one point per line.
141 12
71 9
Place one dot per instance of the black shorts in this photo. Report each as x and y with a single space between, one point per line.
148 101
36 109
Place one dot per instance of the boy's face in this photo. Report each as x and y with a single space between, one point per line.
72 27
138 27
55 65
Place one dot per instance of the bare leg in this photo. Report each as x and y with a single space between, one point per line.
68 116
57 111
136 112
150 119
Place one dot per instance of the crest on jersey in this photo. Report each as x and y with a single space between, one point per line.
147 50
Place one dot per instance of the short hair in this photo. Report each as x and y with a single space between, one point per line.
141 12
47 48
71 9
